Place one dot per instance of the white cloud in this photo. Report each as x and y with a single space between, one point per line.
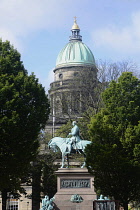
6 34
123 40
50 77
136 24
21 18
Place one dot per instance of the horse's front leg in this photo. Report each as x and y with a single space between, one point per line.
63 160
68 160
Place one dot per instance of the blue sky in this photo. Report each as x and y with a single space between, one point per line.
39 29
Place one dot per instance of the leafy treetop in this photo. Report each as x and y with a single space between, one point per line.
114 155
24 110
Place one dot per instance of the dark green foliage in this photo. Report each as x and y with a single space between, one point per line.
24 110
64 130
49 179
42 173
10 60
114 155
43 177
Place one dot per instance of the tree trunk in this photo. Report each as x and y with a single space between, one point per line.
4 199
125 205
36 176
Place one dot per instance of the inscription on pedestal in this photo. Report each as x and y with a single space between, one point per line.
75 183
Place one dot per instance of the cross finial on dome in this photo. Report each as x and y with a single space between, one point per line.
75 26
75 19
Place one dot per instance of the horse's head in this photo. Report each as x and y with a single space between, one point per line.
57 143
52 145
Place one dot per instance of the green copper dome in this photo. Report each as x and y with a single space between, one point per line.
75 52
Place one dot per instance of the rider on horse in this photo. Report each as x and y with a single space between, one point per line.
72 142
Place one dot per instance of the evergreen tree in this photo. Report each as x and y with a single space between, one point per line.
24 110
114 155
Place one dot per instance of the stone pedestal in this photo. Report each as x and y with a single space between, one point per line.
74 181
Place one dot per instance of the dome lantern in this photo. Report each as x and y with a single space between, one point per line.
75 32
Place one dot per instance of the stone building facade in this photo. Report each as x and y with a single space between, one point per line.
75 75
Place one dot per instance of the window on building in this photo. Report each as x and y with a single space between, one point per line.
12 204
